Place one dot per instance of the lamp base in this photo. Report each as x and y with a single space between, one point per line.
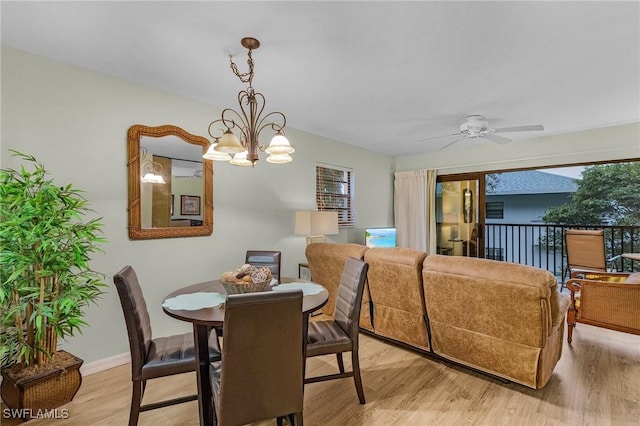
316 239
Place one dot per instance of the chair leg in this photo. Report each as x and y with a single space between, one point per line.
297 419
355 365
136 400
340 362
570 327
292 419
571 322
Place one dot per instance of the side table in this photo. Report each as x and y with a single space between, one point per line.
305 266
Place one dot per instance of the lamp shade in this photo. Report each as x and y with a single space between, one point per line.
316 223
152 178
212 154
240 159
279 145
229 143
279 158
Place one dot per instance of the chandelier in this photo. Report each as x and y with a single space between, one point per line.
248 124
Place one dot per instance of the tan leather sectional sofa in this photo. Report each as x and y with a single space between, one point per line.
500 318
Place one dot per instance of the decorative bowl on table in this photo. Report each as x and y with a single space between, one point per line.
247 279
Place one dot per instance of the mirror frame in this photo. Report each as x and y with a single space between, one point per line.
136 232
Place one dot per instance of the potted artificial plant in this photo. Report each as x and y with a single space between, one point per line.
46 282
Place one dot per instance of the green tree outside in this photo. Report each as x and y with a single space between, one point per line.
608 194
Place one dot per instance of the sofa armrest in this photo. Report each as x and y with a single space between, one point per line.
606 303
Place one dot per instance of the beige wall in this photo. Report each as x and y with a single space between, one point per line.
75 121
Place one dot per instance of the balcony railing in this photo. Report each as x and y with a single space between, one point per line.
543 246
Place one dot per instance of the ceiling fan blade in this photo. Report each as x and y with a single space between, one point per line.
451 143
496 138
521 128
438 137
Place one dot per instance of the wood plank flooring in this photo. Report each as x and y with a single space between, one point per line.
596 382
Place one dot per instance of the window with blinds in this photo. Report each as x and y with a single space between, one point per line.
334 192
495 210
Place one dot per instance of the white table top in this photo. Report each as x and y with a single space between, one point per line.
632 256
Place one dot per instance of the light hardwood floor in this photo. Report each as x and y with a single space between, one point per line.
597 382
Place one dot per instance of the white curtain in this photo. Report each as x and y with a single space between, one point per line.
415 209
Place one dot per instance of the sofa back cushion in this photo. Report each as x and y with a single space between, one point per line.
508 301
326 263
395 287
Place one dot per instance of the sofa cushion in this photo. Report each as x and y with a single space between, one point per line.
395 285
611 278
509 301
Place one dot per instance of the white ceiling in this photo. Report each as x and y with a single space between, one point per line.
379 75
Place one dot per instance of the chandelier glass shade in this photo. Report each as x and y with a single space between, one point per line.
240 159
212 154
150 171
248 122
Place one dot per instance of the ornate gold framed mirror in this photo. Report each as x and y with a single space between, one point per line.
170 184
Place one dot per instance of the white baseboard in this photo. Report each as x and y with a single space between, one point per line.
105 364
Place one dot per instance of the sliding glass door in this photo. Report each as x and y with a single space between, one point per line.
459 218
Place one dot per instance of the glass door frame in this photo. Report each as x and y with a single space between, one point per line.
478 216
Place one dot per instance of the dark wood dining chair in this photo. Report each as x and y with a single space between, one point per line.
152 358
260 375
340 334
268 258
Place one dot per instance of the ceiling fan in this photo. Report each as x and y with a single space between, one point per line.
476 126
196 173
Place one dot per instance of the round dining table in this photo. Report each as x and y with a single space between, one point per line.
204 308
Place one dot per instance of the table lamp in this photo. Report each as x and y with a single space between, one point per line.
315 225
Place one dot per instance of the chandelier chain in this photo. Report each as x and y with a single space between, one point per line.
246 77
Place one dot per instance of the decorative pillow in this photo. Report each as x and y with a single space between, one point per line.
604 277
633 278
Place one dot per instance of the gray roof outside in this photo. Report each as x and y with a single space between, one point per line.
533 182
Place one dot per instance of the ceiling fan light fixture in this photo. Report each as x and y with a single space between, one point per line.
477 127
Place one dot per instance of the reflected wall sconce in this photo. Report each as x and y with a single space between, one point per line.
249 123
315 225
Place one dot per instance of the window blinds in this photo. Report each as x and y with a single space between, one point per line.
334 192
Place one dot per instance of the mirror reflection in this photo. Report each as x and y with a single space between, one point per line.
171 188
170 185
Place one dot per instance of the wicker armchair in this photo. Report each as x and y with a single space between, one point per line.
605 299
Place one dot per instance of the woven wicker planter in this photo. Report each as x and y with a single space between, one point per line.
43 391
